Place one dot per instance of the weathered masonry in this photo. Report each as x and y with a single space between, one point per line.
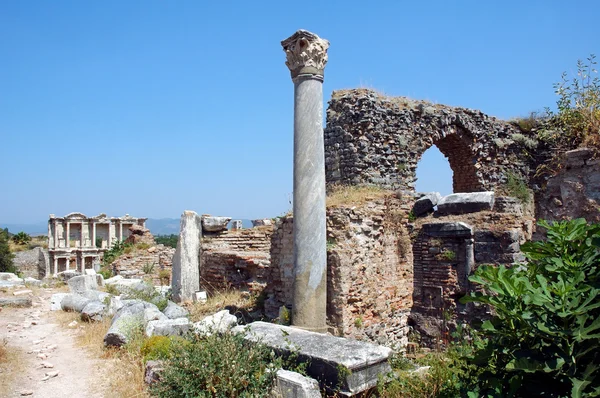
76 241
378 140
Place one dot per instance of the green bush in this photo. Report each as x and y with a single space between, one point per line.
578 107
220 365
160 347
21 238
114 252
6 256
516 187
544 339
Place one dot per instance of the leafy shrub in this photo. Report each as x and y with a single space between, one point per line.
21 238
164 275
525 141
578 107
105 272
6 256
218 366
167 240
115 251
150 295
544 339
516 187
160 347
142 246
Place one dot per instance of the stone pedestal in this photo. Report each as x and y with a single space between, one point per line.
186 261
306 58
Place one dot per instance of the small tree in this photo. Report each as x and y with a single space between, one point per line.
6 256
544 339
578 106
21 238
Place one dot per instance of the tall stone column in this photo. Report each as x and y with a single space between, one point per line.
306 58
56 237
67 237
93 234
185 280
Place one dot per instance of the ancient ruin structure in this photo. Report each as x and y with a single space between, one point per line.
306 58
374 139
76 241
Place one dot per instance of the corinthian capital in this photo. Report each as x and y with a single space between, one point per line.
306 53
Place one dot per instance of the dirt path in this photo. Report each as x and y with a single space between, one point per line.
47 348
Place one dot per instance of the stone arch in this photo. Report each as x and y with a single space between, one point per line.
456 147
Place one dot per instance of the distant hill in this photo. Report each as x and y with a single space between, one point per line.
157 226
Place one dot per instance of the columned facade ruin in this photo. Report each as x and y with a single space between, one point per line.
75 241
306 58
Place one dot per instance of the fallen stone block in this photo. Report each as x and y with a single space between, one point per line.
126 320
89 271
93 312
294 385
82 283
352 366
67 275
426 203
96 295
199 297
74 302
32 281
215 224
220 322
174 311
22 292
55 301
99 279
168 327
8 279
154 314
15 301
461 203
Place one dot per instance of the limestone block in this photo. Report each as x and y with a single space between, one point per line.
185 280
55 301
461 203
448 229
220 322
168 327
82 283
294 385
126 319
174 311
66 275
326 354
426 203
200 297
74 302
215 224
93 311
89 271
99 279
154 314
96 295
261 222
32 281
15 301
8 279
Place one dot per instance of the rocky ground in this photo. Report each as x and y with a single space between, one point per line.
54 366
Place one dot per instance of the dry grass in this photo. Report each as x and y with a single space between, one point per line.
36 241
123 368
353 195
217 301
12 363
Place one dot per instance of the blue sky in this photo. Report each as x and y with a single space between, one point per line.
154 107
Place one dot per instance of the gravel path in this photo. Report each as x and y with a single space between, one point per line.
56 367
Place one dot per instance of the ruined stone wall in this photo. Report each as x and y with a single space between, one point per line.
442 266
137 261
370 273
32 263
574 192
373 139
237 259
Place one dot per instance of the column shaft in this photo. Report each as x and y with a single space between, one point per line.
310 252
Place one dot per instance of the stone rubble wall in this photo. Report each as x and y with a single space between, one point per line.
373 139
32 263
131 265
370 276
237 259
574 192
